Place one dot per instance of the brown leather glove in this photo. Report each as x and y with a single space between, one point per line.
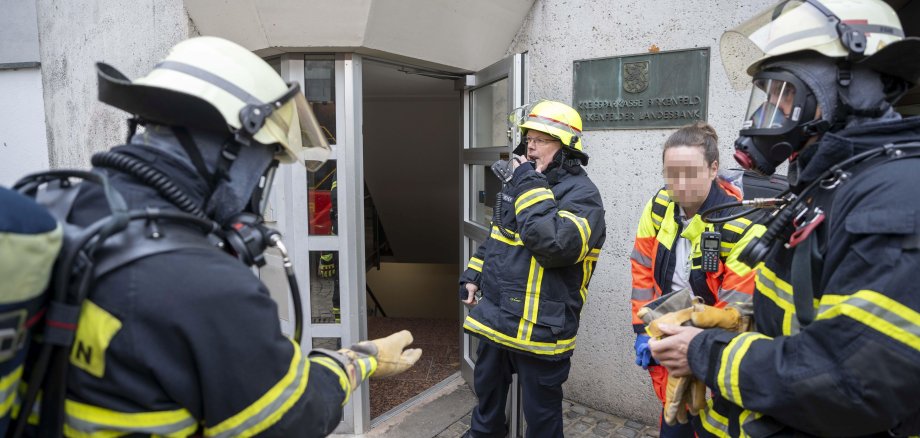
729 318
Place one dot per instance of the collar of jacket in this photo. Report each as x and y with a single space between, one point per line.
835 147
181 174
718 194
557 169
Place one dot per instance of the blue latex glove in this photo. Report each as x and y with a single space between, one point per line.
643 353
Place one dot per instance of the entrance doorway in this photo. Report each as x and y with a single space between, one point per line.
411 137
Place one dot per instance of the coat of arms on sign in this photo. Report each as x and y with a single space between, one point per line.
635 76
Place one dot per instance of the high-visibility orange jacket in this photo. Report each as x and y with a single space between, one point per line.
653 260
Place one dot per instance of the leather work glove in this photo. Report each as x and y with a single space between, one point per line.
729 318
327 265
379 357
643 353
682 393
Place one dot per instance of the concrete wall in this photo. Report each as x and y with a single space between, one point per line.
23 148
74 36
625 164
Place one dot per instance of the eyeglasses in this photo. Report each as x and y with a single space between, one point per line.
539 141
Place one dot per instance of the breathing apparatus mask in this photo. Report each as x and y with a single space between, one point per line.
779 121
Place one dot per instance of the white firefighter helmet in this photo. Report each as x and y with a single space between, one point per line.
862 30
214 84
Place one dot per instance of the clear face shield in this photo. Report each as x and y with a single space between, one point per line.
772 106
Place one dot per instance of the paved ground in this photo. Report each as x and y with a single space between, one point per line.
447 415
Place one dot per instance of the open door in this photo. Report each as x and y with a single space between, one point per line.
489 97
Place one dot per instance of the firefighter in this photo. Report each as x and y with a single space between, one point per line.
189 342
533 273
836 351
671 230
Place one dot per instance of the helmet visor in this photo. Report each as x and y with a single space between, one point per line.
787 27
310 135
772 106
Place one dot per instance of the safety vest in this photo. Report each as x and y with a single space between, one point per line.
653 261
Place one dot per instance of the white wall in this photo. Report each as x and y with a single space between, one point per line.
625 164
132 36
23 148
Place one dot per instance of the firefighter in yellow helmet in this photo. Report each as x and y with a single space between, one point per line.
528 281
188 342
836 346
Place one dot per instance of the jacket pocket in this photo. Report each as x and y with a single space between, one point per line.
550 314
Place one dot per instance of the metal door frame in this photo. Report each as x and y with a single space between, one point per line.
514 68
291 205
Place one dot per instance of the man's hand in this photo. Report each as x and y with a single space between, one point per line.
471 290
671 352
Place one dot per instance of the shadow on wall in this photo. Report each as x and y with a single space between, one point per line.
416 290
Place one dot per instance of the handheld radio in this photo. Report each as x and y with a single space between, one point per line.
709 246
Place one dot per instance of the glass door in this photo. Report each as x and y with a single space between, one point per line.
489 97
320 214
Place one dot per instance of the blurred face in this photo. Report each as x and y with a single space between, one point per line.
541 148
687 176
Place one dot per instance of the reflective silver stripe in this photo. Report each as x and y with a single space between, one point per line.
475 264
880 312
769 284
714 422
271 408
643 259
664 197
732 296
643 294
212 79
729 376
656 221
113 421
550 122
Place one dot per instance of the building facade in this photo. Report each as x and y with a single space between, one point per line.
387 67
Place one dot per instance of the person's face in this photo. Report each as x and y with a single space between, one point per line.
687 176
541 148
782 94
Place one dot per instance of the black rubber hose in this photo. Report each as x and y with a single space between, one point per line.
149 176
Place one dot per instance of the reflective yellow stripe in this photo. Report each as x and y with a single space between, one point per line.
268 409
541 348
747 417
587 267
733 227
83 420
879 312
475 264
533 295
584 230
8 385
732 355
334 366
662 198
714 422
497 235
532 197
780 293
667 235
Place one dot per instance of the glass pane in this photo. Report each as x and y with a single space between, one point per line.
484 187
324 287
322 201
319 87
490 112
327 343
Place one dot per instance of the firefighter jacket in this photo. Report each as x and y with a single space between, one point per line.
189 342
535 267
653 261
854 370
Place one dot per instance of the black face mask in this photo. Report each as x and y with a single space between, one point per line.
779 120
